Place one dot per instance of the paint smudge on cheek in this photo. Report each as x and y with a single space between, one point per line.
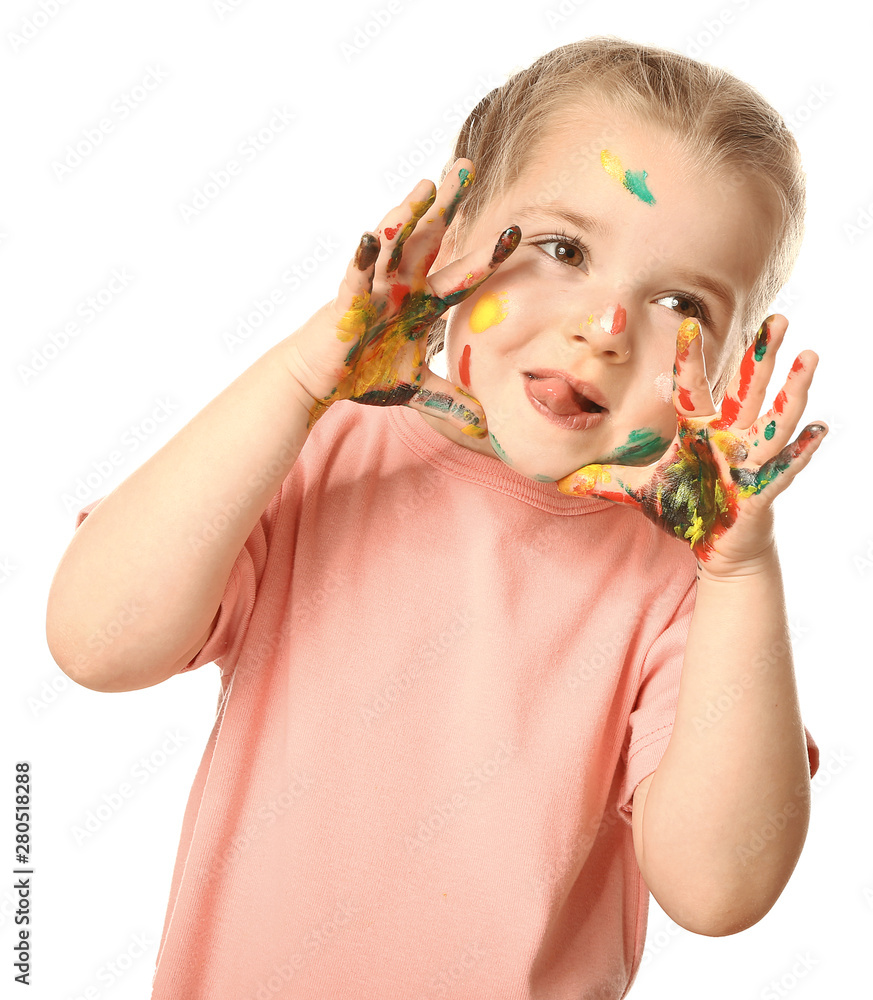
464 367
491 309
664 387
642 447
633 180
495 444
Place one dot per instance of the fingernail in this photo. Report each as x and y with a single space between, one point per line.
367 252
762 339
689 330
509 240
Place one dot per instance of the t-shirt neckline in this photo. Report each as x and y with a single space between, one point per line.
464 463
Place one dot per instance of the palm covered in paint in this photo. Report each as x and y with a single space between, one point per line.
719 463
388 302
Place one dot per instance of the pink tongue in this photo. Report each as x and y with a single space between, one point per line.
556 394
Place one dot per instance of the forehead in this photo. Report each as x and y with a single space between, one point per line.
638 188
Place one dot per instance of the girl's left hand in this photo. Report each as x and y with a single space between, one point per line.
715 484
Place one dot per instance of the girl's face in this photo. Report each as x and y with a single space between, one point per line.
569 347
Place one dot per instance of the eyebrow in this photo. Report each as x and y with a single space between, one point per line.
722 292
600 228
587 222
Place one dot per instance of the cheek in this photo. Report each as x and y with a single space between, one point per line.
664 387
464 367
491 308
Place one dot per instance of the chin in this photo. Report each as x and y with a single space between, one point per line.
539 469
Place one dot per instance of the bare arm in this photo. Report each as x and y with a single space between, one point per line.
149 564
719 827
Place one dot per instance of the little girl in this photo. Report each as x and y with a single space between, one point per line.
501 653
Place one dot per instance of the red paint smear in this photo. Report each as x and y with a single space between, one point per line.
747 369
397 294
389 232
464 367
780 401
730 409
685 399
618 321
797 366
428 261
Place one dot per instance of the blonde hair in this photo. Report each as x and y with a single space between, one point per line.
723 123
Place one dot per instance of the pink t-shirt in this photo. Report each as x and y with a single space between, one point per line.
441 683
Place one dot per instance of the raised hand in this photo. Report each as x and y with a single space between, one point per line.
368 345
723 469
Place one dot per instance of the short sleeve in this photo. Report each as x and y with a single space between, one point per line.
651 719
238 600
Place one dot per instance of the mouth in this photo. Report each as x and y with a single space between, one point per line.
564 400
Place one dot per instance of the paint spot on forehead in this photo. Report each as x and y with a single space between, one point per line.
490 310
633 180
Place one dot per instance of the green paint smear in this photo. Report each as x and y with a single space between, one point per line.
466 180
760 348
501 454
544 479
635 182
770 430
641 448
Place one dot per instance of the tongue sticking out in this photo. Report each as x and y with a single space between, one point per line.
557 395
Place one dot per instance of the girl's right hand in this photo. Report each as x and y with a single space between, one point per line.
368 345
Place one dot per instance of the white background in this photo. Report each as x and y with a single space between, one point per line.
158 349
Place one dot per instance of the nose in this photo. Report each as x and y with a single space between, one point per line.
604 330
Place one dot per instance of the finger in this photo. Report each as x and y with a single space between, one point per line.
417 209
358 279
428 235
779 472
692 395
456 281
748 389
772 430
450 402
600 481
396 227
353 309
462 174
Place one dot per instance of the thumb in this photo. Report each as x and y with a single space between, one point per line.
601 481
449 402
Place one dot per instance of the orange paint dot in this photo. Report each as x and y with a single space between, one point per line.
619 321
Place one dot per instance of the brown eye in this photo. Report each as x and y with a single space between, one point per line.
567 253
564 251
686 306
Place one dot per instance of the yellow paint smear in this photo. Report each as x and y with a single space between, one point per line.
612 165
490 310
586 479
357 320
688 330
